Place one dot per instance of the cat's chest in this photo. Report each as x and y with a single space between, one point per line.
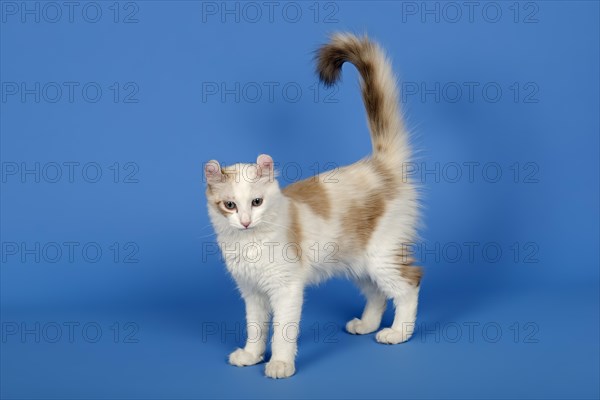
258 262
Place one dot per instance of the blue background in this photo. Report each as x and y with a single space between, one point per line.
182 306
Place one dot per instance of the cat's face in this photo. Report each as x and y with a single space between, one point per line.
241 196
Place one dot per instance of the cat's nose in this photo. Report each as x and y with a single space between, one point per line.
246 224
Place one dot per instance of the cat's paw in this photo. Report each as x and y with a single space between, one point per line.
279 369
243 358
392 336
360 327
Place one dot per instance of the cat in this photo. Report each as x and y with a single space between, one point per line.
368 215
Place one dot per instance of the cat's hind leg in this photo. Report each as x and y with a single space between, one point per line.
399 281
371 317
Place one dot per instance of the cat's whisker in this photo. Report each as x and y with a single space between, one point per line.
205 236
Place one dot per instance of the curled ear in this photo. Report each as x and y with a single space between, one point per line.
265 165
212 172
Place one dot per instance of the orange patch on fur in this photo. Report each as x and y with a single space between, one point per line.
213 201
408 270
312 193
361 218
412 274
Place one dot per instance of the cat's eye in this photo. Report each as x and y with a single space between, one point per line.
257 202
230 205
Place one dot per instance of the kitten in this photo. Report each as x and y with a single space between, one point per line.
275 242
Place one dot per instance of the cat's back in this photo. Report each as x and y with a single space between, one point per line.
349 205
344 189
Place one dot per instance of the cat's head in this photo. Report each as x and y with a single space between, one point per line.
242 196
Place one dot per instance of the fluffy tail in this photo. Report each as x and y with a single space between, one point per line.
379 91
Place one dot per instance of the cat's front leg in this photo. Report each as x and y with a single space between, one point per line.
287 307
257 329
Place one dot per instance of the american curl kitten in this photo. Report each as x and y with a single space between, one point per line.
364 221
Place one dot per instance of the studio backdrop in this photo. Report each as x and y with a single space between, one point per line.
113 284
